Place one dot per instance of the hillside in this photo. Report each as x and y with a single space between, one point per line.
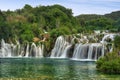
109 21
30 22
114 15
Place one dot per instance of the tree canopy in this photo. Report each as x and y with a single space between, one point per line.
29 22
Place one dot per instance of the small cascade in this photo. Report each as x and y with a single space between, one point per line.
66 51
12 50
36 51
15 50
27 51
88 51
59 48
5 49
77 50
39 52
107 43
33 50
111 36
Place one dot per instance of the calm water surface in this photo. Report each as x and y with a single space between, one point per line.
50 69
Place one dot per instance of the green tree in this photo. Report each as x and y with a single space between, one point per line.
117 42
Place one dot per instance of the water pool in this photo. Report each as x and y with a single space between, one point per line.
50 69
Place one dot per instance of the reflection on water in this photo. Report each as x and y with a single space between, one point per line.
50 69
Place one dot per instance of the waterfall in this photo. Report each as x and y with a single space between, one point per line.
18 50
80 52
59 48
65 47
39 52
87 51
27 51
90 51
64 54
111 36
5 49
77 50
33 50
36 51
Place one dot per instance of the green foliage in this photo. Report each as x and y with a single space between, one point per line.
109 64
60 31
117 42
28 22
101 23
2 17
117 24
114 15
89 17
5 31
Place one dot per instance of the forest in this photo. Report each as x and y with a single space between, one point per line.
32 22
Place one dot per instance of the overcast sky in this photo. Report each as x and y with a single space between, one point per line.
77 6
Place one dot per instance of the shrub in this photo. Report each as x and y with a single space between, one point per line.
109 64
117 42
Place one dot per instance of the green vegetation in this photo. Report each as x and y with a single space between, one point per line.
110 63
117 42
29 22
26 23
109 22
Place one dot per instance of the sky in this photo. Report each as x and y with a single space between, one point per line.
78 6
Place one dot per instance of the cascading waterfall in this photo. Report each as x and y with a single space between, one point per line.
27 51
11 50
5 49
40 51
87 51
110 36
60 50
65 47
77 51
36 51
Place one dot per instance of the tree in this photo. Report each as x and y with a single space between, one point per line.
117 42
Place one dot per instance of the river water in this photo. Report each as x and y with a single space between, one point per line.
50 69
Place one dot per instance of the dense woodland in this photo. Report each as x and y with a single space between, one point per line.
29 22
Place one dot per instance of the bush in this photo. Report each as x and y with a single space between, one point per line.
109 64
117 42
